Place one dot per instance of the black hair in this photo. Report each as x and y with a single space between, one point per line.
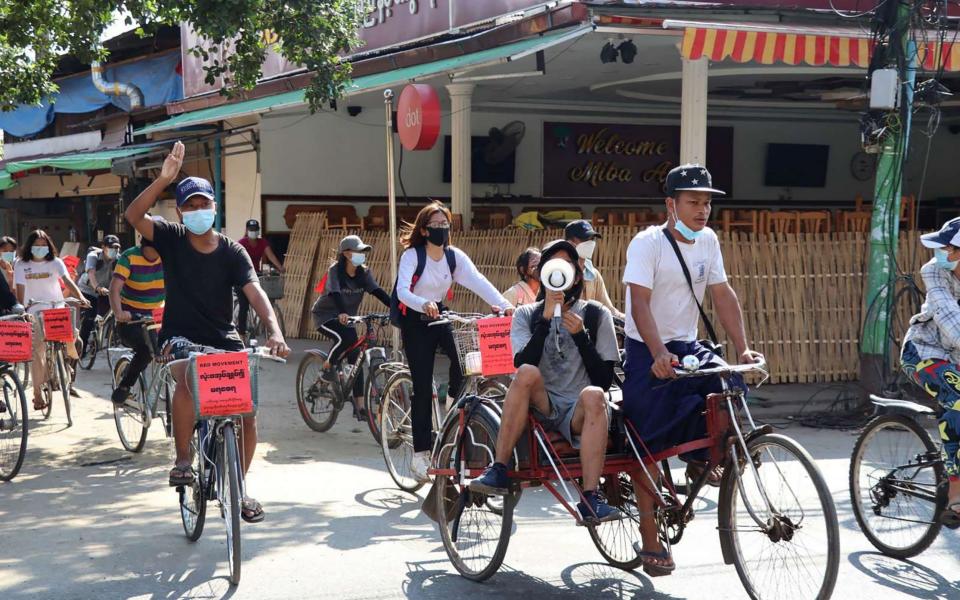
574 292
8 241
523 261
38 234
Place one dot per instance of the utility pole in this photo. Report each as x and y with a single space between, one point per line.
885 223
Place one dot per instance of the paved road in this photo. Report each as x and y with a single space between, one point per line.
85 519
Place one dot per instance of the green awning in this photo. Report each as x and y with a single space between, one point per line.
80 161
369 83
6 182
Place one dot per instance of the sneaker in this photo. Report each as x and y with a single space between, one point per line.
120 395
328 376
596 509
493 482
419 466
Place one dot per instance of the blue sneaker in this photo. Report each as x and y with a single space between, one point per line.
493 482
596 509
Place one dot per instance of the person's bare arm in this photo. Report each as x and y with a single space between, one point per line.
663 359
116 284
92 279
274 260
727 305
136 213
604 298
74 290
261 304
20 293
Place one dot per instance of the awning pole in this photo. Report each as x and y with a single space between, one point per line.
391 199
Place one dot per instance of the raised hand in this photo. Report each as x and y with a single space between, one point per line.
173 162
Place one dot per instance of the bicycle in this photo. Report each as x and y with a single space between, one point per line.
321 401
134 417
216 460
396 440
803 541
14 424
103 337
898 484
55 357
272 284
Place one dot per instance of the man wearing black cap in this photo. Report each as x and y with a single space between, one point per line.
584 237
563 371
669 269
258 248
94 282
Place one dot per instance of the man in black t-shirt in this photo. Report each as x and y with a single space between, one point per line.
201 268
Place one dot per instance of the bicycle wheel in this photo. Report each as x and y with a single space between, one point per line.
13 424
895 472
376 384
89 349
229 492
193 499
615 539
64 379
396 431
792 548
23 373
111 338
475 537
315 399
131 416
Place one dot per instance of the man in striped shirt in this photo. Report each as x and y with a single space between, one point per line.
136 292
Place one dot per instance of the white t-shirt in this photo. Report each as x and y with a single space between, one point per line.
652 263
436 280
40 280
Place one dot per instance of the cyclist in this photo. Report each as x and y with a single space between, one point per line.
525 291
428 268
584 237
668 271
563 373
931 348
136 291
342 291
94 282
8 256
201 267
38 275
258 248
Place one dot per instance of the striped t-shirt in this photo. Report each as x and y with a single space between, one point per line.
143 288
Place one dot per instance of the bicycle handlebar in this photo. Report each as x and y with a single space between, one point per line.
759 367
448 316
366 318
53 303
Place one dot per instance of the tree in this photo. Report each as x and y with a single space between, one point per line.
312 33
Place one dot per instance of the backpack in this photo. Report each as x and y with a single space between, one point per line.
591 317
399 309
322 284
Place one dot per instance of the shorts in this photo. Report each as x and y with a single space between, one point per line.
180 347
560 418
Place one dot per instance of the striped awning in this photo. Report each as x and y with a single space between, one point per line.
769 45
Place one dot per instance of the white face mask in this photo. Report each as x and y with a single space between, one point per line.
585 249
253 234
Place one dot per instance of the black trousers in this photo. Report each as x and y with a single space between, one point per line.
144 345
420 344
99 305
343 336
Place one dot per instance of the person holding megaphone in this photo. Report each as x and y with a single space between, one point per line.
565 349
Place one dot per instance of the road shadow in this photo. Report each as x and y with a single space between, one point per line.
907 577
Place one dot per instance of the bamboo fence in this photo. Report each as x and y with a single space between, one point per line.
802 294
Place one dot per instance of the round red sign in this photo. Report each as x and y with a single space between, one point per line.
418 117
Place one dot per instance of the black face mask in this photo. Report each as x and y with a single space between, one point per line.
438 236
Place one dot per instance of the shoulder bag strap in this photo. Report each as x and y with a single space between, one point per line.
686 273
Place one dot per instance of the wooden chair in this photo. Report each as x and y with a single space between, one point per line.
855 221
499 220
456 223
781 222
813 221
747 220
343 216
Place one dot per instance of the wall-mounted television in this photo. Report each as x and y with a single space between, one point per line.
502 172
796 165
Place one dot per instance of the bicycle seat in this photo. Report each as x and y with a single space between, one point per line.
895 405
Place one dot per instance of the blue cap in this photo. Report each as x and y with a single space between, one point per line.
193 186
580 229
949 235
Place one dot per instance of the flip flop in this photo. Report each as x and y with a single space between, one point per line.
42 405
695 469
251 511
181 475
951 516
651 568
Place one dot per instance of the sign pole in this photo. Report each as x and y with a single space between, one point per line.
391 199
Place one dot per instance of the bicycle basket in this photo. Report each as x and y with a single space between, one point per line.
272 285
466 338
223 385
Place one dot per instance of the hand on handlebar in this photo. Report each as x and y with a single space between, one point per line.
431 310
663 365
344 318
277 346
751 357
124 316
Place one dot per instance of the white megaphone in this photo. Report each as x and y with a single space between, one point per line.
557 275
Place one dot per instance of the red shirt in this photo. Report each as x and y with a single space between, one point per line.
255 248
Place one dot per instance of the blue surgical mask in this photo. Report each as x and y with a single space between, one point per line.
941 254
198 222
112 254
9 256
358 258
684 230
39 251
589 271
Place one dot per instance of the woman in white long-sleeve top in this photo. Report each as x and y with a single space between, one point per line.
428 268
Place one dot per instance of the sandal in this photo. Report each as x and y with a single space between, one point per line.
181 475
652 561
951 516
39 403
251 511
695 470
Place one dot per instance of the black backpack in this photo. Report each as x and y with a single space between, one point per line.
399 309
591 318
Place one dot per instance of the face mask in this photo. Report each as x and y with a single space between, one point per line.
9 256
589 271
198 222
943 262
684 230
358 258
253 234
585 250
112 254
39 251
438 236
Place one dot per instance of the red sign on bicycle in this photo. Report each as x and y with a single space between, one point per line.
496 352
58 325
16 341
223 385
157 315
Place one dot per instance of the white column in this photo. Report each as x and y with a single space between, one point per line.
461 176
693 112
241 177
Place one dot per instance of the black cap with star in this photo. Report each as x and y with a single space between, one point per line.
690 178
